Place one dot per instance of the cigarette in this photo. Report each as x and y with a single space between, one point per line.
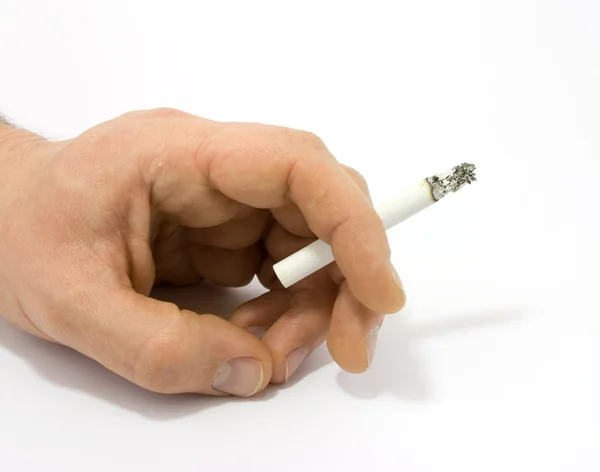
399 208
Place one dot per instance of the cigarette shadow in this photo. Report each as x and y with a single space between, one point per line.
396 368
67 368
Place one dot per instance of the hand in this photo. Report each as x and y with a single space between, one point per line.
90 225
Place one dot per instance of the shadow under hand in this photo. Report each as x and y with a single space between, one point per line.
207 298
396 367
67 368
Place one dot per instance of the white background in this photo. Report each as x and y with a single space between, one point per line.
495 363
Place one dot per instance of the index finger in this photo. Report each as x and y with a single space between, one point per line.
267 167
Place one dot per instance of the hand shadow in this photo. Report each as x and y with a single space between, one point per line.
67 368
396 368
207 298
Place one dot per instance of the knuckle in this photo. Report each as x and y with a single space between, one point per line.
311 139
352 172
165 112
302 138
107 143
162 112
128 115
356 176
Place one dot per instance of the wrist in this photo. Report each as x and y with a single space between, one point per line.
13 138
18 151
16 143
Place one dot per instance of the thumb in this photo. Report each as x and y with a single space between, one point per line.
167 350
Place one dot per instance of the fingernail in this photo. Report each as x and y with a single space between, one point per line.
371 344
294 359
258 331
241 377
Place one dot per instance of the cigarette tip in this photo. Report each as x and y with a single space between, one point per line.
453 180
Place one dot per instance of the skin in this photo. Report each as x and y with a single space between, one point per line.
90 225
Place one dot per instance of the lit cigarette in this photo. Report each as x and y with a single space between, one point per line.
402 206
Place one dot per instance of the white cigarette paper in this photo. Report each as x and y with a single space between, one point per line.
399 208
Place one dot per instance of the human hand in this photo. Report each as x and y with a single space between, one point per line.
91 224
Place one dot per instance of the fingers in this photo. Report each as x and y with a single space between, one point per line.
167 350
353 332
280 243
262 312
207 172
342 216
238 233
295 331
266 273
297 166
172 265
291 218
353 329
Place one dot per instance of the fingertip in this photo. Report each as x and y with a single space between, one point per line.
262 311
362 253
353 332
179 351
245 366
349 359
298 332
266 274
241 377
381 291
